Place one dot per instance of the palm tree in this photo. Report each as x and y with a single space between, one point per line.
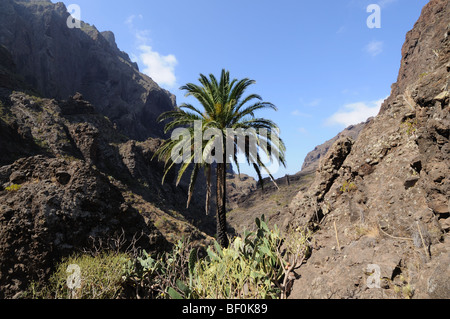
224 109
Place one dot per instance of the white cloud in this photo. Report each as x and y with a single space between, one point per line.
349 92
374 48
142 37
161 68
130 20
355 113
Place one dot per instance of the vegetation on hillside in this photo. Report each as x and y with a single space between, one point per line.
260 264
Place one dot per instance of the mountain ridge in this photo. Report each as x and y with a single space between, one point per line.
59 61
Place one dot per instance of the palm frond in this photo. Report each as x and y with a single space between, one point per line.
191 107
239 89
250 110
183 168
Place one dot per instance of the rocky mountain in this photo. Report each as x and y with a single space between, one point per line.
58 61
380 205
71 179
247 200
78 133
312 159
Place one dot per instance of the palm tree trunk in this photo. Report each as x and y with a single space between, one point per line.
221 213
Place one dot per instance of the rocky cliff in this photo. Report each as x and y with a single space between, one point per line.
383 199
58 62
247 200
71 178
311 162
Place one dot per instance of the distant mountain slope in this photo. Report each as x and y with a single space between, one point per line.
247 200
312 159
58 62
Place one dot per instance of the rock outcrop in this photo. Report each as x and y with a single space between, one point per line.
310 206
247 200
311 162
69 174
58 61
52 208
383 199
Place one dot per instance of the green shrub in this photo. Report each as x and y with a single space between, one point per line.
101 278
253 266
348 187
411 126
156 276
249 268
13 188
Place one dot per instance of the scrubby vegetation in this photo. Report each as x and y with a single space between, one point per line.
5 114
259 264
101 278
411 126
13 188
348 186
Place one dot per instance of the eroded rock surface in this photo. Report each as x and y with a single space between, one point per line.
58 208
384 199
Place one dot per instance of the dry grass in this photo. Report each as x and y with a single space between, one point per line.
372 232
363 230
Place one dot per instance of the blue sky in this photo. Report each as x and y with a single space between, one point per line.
317 61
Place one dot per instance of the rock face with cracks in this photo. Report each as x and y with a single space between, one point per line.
74 178
70 175
383 199
58 61
60 207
